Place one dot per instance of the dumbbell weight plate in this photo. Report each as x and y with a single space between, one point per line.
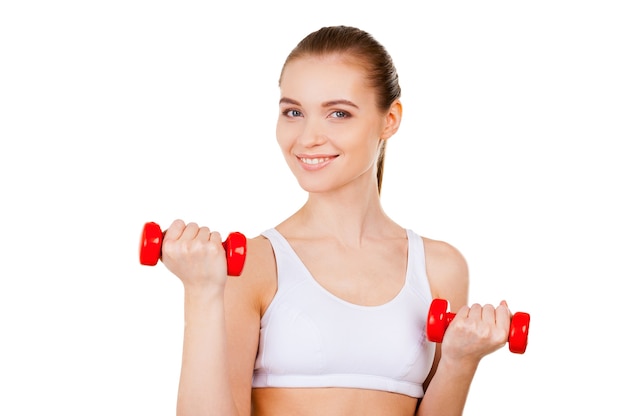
150 248
235 247
437 322
518 332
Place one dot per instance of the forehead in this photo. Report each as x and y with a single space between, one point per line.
325 77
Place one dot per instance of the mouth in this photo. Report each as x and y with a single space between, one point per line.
314 162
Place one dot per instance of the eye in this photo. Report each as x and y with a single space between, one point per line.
340 114
292 113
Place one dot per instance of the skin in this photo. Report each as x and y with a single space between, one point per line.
329 130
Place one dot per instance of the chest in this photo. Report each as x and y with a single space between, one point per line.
369 275
311 338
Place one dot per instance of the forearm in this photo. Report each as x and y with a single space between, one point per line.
447 391
204 387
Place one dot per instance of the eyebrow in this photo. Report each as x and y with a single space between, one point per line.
330 103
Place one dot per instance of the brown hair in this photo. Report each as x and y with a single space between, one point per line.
368 52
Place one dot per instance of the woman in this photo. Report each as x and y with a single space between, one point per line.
328 317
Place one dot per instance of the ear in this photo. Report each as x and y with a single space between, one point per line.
392 120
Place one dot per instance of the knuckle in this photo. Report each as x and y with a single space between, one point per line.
213 247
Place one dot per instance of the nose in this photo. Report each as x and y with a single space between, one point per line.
312 133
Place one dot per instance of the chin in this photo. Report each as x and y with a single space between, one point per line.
316 187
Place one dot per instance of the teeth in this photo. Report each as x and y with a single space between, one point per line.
314 161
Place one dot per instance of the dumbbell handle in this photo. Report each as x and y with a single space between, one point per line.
152 241
439 319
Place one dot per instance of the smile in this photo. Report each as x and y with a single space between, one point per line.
314 161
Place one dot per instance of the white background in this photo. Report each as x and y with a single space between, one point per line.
120 112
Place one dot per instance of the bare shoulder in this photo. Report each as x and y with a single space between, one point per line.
447 270
259 256
257 282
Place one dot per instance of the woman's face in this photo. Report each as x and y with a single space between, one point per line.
329 127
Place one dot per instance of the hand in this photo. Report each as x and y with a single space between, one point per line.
477 331
194 254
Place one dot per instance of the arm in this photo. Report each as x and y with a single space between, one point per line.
210 384
204 388
474 333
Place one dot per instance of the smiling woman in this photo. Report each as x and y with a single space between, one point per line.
325 107
329 314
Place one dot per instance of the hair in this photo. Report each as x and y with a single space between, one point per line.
366 51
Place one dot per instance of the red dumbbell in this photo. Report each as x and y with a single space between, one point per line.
439 318
152 239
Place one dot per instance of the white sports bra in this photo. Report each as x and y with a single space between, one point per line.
311 338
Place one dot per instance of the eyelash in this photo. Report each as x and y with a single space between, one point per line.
290 113
345 114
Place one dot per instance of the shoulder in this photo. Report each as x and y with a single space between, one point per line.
257 282
447 271
259 253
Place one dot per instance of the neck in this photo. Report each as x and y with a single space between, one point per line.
350 215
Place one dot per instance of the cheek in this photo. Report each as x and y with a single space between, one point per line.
364 142
287 133
285 138
281 135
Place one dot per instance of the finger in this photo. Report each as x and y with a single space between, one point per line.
503 315
216 238
463 311
175 230
489 313
190 232
476 311
204 234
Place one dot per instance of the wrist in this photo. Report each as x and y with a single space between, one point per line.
203 300
206 291
460 367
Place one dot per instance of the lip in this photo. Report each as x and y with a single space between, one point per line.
314 162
